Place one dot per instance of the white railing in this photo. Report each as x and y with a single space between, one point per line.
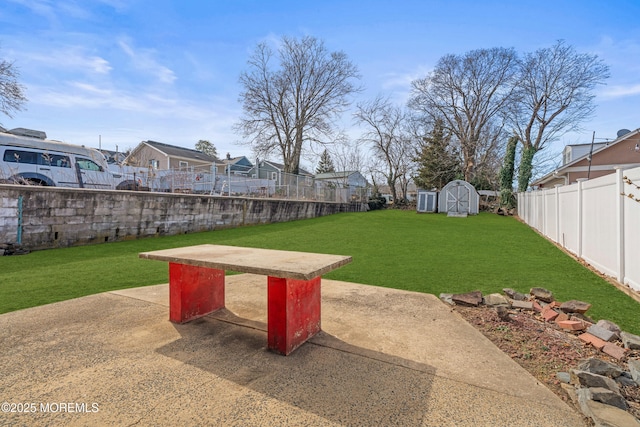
597 220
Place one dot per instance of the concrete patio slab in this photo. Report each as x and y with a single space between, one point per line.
384 357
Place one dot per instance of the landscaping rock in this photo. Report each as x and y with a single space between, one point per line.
493 300
447 298
630 341
614 351
522 305
589 380
604 415
594 341
562 316
626 382
542 294
503 313
514 295
634 370
549 314
537 306
575 306
471 299
582 317
609 325
570 325
603 334
600 367
571 392
564 377
608 397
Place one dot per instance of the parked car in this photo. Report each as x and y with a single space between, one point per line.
29 158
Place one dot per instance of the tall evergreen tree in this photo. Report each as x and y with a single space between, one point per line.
438 162
325 164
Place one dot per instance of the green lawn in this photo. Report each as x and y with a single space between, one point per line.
398 249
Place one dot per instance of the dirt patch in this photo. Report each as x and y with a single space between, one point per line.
542 348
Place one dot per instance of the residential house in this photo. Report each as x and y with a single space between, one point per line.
160 156
286 184
235 165
579 161
354 185
266 169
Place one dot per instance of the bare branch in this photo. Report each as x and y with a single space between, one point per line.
12 97
386 132
469 94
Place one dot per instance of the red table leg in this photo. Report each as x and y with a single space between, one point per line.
194 291
293 312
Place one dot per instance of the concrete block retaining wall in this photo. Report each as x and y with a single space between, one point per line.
61 217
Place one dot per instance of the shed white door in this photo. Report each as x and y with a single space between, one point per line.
458 199
426 202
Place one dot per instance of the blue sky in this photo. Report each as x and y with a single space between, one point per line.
123 71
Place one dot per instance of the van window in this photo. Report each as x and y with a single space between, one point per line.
89 165
31 157
55 160
16 156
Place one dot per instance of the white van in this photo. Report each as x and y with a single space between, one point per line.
27 157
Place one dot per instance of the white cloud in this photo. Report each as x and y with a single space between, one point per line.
620 91
143 60
43 8
73 58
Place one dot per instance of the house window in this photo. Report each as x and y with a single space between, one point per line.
154 164
274 175
183 165
254 175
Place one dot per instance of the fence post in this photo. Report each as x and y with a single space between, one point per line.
620 223
544 213
558 240
580 215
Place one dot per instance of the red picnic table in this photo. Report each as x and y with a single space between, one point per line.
196 286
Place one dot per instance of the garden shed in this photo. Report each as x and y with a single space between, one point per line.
459 198
427 201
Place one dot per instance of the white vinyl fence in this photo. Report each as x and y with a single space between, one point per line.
598 220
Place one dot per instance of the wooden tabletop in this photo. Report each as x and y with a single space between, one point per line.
268 262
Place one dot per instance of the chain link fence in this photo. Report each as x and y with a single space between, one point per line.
204 180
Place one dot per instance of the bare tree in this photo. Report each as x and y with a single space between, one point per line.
470 94
386 132
349 156
12 95
294 103
555 94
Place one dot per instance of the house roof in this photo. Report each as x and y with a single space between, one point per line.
237 161
280 166
563 169
174 151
